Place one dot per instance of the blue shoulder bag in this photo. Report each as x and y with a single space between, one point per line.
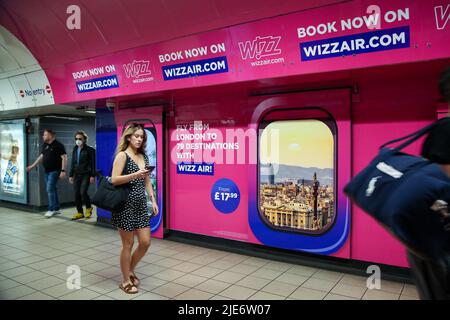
408 195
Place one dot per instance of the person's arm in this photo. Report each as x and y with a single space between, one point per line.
72 163
38 160
119 164
92 164
63 154
149 187
63 166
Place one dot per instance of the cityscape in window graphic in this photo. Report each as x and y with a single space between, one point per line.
297 196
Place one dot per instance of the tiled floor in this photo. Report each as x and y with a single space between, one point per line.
35 253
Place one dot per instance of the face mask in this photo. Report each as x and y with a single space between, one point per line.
79 142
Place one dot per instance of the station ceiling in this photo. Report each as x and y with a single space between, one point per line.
113 25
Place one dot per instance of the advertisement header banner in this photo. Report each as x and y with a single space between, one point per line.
349 35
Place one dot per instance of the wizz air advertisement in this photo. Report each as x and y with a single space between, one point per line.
12 161
337 37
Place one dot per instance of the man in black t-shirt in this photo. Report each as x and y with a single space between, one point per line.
433 276
54 159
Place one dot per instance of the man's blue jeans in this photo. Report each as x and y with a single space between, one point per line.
51 180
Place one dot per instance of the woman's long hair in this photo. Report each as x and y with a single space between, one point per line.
128 132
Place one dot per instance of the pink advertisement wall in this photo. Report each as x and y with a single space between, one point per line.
334 46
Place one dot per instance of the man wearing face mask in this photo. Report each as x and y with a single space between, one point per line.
82 174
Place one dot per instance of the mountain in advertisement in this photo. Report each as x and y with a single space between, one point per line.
295 173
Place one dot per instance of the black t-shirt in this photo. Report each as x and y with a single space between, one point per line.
52 156
436 147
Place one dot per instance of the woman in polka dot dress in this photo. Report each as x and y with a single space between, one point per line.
135 218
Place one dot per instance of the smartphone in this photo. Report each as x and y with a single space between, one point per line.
150 168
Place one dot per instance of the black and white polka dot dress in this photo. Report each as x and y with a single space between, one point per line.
135 215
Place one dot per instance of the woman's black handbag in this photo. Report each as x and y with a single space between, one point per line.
109 197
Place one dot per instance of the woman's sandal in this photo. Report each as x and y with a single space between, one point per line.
127 288
135 280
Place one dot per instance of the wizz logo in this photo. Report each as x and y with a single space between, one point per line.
442 16
138 68
260 47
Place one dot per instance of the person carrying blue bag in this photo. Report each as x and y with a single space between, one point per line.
410 197
433 275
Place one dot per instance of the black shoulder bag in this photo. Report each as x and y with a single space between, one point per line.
109 197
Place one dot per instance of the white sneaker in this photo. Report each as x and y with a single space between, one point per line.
49 214
56 212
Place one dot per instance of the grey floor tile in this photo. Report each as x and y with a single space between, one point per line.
223 264
103 298
150 296
45 283
8 284
349 290
278 266
12 273
8 266
213 286
104 287
392 287
187 267
149 270
119 294
265 273
354 280
328 275
219 297
169 274
410 291
257 262
238 292
90 279
253 282
43 264
244 268
229 277
30 259
30 277
302 271
57 291
375 294
332 296
16 292
190 280
194 294
81 294
168 262
291 278
307 294
319 284
260 295
94 267
207 272
150 283
280 288
405 297
170 290
36 296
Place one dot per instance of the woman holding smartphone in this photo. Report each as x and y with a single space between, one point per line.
131 166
